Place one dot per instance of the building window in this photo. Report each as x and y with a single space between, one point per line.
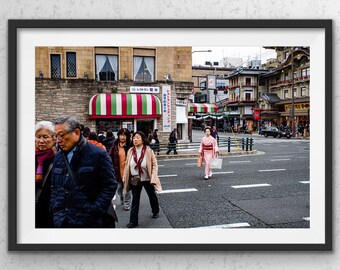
248 81
143 69
303 91
71 64
106 67
285 94
286 76
295 92
248 96
305 72
295 74
55 66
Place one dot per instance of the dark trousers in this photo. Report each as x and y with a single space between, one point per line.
171 146
136 191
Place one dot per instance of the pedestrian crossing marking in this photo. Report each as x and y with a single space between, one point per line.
225 226
167 175
304 182
251 186
282 159
222 172
177 190
307 218
272 170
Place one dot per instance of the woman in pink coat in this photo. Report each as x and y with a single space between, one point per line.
208 149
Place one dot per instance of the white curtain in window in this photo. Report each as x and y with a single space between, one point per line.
150 64
100 62
137 62
114 64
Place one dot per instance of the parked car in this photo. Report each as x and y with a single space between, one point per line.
275 132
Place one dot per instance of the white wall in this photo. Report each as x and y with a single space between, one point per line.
161 9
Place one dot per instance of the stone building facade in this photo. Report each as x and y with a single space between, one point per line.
89 82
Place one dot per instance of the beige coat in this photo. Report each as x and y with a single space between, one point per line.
151 166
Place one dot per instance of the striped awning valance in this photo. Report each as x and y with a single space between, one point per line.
124 106
202 108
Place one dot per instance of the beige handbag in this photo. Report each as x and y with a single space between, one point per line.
199 161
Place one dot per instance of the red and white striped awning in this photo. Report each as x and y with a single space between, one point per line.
202 108
124 106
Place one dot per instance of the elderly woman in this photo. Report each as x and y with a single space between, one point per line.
141 170
44 154
208 149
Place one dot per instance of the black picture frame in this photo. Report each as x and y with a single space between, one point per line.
14 27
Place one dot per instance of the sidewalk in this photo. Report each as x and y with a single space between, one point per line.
144 216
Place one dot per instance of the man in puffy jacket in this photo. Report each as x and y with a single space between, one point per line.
83 180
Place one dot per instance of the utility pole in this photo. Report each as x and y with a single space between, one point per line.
293 114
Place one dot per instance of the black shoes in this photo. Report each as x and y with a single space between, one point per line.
155 215
131 225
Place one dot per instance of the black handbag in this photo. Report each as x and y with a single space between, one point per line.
135 180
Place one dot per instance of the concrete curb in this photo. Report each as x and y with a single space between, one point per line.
194 154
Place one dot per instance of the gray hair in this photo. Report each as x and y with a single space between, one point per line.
44 125
71 122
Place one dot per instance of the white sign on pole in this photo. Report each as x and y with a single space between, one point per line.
211 82
166 113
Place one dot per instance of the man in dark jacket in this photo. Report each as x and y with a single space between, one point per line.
83 180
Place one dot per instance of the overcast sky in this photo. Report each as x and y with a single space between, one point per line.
217 53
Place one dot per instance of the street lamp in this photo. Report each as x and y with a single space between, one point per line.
201 51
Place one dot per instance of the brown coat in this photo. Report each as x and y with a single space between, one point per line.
151 165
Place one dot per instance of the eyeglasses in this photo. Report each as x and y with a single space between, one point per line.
61 135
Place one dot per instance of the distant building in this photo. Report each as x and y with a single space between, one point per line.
231 62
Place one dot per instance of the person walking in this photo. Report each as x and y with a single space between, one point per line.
83 183
108 141
141 170
172 142
208 149
94 140
118 154
44 155
155 143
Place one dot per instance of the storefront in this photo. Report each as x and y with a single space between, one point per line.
197 109
132 111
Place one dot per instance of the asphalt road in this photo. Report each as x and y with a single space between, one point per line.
267 190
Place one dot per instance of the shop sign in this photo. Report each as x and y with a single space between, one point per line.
166 112
144 89
181 102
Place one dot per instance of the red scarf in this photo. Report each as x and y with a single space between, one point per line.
41 157
139 162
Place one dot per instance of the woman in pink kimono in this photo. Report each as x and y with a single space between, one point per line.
208 149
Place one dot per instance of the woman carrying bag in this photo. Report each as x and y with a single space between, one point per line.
208 149
141 170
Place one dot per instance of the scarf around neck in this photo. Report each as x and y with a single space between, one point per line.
139 162
41 157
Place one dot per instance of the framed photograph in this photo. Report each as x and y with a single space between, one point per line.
89 68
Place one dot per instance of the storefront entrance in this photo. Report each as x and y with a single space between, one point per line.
145 126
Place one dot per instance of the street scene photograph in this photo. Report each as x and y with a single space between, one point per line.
172 137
